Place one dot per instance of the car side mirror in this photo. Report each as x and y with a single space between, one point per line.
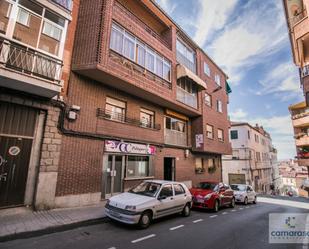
161 197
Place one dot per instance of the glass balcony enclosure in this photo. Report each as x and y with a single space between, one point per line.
185 55
187 92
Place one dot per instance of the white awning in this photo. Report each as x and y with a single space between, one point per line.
182 71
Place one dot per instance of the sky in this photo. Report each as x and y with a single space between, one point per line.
249 40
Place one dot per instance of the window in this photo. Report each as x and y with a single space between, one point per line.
185 55
219 106
235 154
115 109
147 118
210 131
51 30
129 46
179 189
175 124
256 138
234 134
166 191
137 166
218 79
23 17
249 134
206 69
199 165
258 156
207 99
220 135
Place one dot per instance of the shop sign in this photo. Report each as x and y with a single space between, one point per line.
129 148
199 140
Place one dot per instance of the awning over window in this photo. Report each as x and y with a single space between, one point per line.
228 88
182 71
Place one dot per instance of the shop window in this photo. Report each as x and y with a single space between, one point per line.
210 131
146 118
115 109
137 166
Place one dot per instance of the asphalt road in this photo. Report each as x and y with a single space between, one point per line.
241 227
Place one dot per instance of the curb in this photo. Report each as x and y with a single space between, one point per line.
52 229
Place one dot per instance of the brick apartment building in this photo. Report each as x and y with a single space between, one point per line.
140 100
296 13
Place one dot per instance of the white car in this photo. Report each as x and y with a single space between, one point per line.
149 200
244 193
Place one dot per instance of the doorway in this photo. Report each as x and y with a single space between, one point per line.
114 175
169 169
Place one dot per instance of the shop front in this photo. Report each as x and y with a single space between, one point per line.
124 164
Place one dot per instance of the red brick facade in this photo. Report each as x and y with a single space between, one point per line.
98 73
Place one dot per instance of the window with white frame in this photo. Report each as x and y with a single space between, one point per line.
207 99
115 109
175 124
219 106
218 79
206 69
23 17
220 135
185 55
128 45
146 118
209 131
52 31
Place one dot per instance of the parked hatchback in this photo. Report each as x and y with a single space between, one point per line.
244 193
212 195
149 200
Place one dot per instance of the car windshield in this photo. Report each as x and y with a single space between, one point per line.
238 187
207 185
146 188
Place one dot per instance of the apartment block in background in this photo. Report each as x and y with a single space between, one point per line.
254 159
151 104
32 45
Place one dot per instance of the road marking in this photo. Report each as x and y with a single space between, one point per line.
233 210
112 248
196 221
143 238
213 216
247 207
240 208
174 228
224 213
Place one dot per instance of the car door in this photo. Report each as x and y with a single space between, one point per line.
228 194
166 202
180 197
251 193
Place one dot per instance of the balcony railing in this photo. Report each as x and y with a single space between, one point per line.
297 17
175 137
305 71
186 98
67 4
184 61
30 62
119 117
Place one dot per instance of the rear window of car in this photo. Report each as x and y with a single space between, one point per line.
179 189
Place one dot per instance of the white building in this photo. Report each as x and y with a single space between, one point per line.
254 159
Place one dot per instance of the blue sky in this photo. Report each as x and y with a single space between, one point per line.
249 41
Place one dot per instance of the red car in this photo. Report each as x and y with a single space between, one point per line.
212 195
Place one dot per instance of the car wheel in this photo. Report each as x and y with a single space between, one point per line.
254 202
145 220
246 201
216 206
186 211
232 205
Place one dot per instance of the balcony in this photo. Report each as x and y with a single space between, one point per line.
301 120
186 98
305 71
28 70
297 17
302 141
184 61
67 4
175 137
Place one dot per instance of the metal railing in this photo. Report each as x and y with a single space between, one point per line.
297 17
30 62
305 71
184 61
121 117
186 98
67 4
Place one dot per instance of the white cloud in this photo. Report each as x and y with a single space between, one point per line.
257 33
238 115
167 5
212 16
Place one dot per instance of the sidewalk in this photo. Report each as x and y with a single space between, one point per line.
23 222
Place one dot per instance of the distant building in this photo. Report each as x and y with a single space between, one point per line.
254 159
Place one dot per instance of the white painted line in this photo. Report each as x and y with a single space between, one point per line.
233 210
240 208
143 238
224 213
289 203
213 216
196 221
247 207
174 228
112 248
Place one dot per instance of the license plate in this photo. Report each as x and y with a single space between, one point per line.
112 213
200 200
